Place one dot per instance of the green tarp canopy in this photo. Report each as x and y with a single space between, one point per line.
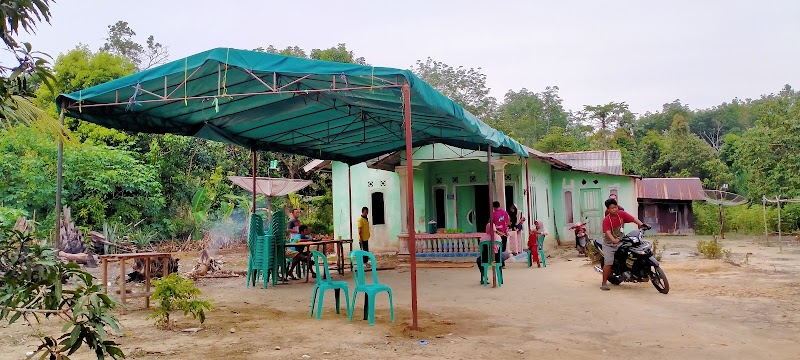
326 110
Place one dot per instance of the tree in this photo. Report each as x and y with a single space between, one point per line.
557 140
660 122
769 152
79 69
337 54
295 51
688 155
527 116
467 87
18 81
120 41
648 154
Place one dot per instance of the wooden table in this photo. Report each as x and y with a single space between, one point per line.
122 258
320 243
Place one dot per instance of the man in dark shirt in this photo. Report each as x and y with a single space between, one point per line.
294 223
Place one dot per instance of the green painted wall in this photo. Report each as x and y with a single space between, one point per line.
383 237
576 182
441 166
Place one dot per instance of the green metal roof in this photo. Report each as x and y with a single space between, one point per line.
332 111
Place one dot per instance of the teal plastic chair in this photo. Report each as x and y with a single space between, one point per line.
540 243
542 260
327 284
259 260
486 246
369 290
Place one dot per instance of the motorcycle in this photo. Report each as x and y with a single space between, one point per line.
581 237
634 262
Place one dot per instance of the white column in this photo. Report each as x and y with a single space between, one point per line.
500 181
401 172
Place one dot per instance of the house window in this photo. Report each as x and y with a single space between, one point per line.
568 207
547 197
439 207
378 209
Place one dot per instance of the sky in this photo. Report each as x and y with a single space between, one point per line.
645 53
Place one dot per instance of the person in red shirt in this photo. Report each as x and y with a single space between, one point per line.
612 228
501 221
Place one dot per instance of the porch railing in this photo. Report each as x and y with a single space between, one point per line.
442 246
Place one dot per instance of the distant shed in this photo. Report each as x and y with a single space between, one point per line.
666 203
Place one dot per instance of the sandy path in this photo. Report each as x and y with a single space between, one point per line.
714 310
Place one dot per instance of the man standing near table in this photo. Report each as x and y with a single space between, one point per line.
294 223
363 231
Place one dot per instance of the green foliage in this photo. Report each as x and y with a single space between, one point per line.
712 249
528 116
176 292
467 87
9 216
99 183
557 140
120 42
31 287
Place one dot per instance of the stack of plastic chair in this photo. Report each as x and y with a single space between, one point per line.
258 261
277 239
369 290
324 283
485 247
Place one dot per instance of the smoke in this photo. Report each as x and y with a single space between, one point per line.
224 233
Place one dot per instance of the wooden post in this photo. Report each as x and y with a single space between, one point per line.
122 281
59 175
105 275
147 282
412 246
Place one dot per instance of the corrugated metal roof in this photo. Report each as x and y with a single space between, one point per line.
670 188
594 161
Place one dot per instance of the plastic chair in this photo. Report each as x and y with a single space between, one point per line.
485 247
537 255
327 284
259 260
369 290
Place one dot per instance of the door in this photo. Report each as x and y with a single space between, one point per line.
483 207
592 208
465 208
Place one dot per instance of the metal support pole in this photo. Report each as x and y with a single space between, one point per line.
528 193
254 157
350 205
59 175
412 246
491 215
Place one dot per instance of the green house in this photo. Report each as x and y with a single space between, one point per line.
451 188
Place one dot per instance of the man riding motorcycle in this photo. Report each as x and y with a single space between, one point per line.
612 228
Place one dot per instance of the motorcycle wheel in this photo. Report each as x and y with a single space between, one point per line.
659 280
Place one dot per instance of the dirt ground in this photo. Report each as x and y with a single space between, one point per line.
715 310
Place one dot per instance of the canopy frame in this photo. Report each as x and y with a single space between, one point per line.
333 111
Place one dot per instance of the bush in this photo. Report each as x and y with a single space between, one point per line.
745 219
176 292
31 286
712 249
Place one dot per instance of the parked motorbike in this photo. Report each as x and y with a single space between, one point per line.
634 262
581 237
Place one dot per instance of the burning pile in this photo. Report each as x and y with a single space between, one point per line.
208 267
